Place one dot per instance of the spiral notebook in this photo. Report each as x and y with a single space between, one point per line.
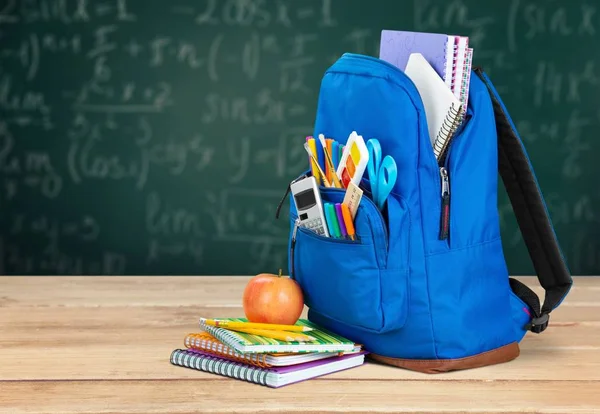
443 110
271 377
325 341
440 50
449 55
206 343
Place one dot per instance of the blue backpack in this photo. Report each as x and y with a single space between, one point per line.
417 296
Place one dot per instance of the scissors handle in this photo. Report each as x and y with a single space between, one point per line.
374 164
388 173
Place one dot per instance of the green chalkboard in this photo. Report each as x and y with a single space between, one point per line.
153 137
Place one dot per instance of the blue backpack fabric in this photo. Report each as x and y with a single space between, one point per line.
416 296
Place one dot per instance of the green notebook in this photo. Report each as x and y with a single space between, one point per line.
326 341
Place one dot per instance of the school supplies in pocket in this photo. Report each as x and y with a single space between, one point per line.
425 285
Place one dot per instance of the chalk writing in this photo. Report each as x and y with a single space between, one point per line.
150 137
159 249
539 20
22 101
245 215
559 87
430 16
163 219
33 169
63 12
260 109
85 229
55 261
246 13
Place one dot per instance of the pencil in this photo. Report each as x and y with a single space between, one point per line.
314 160
313 148
281 335
255 325
329 163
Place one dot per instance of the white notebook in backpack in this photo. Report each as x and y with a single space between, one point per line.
442 108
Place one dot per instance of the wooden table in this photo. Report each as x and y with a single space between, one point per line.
102 344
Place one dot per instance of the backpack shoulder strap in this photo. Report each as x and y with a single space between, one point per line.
532 216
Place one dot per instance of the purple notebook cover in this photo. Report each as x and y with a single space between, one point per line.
291 368
396 47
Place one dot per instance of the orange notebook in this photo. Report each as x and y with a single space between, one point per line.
207 343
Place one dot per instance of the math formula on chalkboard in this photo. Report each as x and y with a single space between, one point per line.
153 137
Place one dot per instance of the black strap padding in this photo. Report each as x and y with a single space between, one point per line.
533 219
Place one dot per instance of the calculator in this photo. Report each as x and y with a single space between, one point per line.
309 205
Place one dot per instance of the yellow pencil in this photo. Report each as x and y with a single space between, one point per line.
281 335
313 148
315 162
255 325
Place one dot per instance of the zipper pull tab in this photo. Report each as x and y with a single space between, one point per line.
292 245
445 213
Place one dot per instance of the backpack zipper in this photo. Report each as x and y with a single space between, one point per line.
445 212
292 245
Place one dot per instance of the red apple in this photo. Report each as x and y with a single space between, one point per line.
270 298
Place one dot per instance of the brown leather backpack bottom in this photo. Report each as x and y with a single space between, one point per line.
436 366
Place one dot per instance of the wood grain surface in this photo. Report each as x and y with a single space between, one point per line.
102 345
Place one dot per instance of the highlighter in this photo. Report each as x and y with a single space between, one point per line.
332 218
327 208
348 221
340 218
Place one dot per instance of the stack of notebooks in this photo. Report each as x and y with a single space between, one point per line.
266 361
440 66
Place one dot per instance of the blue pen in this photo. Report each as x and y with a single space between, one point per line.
335 154
321 156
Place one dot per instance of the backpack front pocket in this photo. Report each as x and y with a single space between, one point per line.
352 281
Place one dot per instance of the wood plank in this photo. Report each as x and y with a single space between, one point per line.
181 291
152 363
135 343
94 291
322 395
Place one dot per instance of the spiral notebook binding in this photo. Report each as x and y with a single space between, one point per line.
449 127
207 343
464 92
450 67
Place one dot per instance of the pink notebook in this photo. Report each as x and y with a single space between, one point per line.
271 377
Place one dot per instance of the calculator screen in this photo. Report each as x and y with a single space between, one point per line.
305 199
